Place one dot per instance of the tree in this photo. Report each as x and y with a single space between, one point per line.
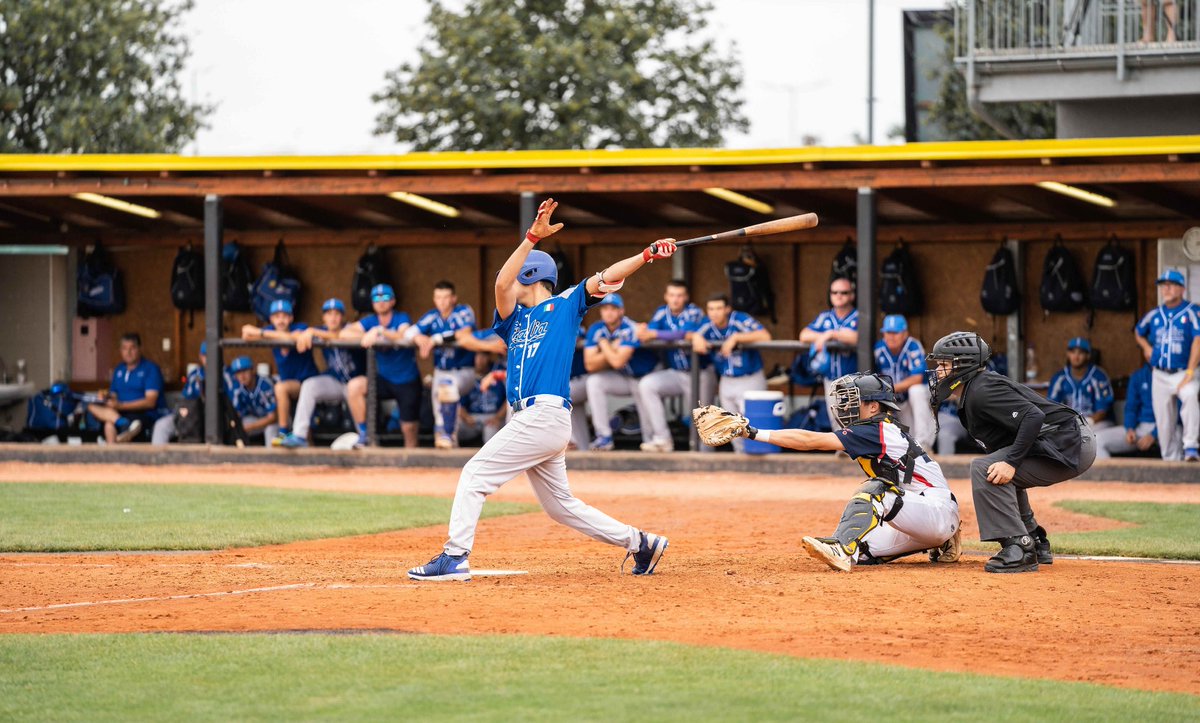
504 74
94 76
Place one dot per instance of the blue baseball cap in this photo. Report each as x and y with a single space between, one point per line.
204 347
1080 343
1171 276
382 292
333 305
241 364
893 323
613 299
279 305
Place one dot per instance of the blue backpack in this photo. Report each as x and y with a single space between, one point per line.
100 289
277 281
50 410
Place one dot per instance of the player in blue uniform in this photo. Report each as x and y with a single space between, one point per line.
902 358
540 329
292 365
453 366
134 399
1170 340
837 324
738 370
615 361
254 399
484 409
1083 386
1139 433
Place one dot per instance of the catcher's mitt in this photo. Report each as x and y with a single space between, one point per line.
717 426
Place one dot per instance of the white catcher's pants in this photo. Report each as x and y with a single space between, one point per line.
534 442
321 388
918 417
603 384
732 393
924 522
670 383
1163 395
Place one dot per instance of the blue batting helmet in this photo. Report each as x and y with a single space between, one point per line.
538 266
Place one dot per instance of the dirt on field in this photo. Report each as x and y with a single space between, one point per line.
734 576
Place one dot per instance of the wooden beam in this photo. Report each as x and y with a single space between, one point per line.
939 207
1164 197
1052 205
830 206
621 211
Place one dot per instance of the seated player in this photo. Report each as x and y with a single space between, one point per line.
292 365
615 362
904 506
1083 386
134 399
1139 433
484 409
453 366
901 357
341 365
739 370
253 398
193 388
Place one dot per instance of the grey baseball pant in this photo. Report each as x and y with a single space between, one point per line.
732 393
603 384
670 383
321 388
164 429
917 416
1163 393
464 381
1111 440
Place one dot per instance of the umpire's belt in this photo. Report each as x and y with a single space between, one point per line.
542 399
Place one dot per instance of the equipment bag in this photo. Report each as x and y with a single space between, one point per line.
276 282
237 279
1113 285
899 293
750 285
845 263
187 280
50 410
1062 287
999 291
370 270
101 290
189 421
566 273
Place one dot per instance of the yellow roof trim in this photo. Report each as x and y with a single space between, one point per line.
515 160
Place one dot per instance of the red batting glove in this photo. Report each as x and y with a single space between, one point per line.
660 249
531 238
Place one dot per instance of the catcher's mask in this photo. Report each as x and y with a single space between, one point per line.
967 353
849 392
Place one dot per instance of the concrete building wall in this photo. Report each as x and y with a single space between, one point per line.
1129 117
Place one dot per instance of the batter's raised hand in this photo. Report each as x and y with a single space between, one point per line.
541 227
660 249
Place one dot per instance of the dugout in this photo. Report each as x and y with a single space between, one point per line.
950 203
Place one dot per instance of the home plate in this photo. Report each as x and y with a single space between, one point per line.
497 573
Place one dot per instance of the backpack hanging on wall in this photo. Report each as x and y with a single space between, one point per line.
237 279
566 273
1113 285
277 282
101 290
750 285
1062 287
845 263
187 279
370 270
899 291
998 294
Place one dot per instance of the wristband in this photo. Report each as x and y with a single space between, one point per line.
759 435
531 238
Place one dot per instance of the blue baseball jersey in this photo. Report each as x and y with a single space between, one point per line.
257 401
489 402
1090 395
841 363
291 364
908 361
130 385
1170 332
1139 407
742 361
397 365
343 363
432 324
641 363
541 341
193 386
671 327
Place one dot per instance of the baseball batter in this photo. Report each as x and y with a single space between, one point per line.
540 329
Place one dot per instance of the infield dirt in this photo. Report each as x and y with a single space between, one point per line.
734 576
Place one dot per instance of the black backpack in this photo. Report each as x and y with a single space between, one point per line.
750 285
1062 287
100 289
999 291
237 279
899 293
845 263
187 280
370 270
189 421
1113 285
566 274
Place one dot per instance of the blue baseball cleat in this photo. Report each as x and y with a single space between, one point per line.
649 553
443 567
291 441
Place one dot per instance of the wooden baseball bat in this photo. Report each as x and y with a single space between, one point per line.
779 225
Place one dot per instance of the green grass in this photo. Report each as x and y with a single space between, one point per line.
391 677
60 517
1163 530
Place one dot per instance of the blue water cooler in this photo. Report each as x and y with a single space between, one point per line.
765 411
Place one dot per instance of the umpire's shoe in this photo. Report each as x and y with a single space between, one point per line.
1017 554
650 551
1041 545
444 567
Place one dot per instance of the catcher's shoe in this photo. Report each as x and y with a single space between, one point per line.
830 553
650 551
948 551
443 567
1041 546
1016 555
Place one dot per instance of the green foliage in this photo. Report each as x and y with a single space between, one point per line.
389 677
54 517
537 74
94 76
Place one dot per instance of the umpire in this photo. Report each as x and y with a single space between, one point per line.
1030 441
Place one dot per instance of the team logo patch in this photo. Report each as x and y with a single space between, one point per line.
549 307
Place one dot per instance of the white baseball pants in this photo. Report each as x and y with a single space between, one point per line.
670 383
533 442
481 425
600 386
924 522
321 388
164 429
1163 395
732 393
1111 440
918 417
950 430
463 379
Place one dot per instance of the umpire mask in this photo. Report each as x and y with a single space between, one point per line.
967 353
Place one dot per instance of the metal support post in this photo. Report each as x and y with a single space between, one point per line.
528 211
1013 322
866 291
372 399
694 376
214 364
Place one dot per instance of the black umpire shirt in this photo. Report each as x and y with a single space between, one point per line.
998 413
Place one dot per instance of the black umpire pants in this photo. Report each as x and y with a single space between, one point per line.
1003 510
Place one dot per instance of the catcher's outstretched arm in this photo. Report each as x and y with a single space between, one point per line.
805 440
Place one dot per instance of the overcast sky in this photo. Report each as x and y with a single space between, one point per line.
296 76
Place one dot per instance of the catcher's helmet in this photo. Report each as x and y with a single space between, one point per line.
849 392
967 353
538 266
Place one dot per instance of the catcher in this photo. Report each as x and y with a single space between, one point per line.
904 507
